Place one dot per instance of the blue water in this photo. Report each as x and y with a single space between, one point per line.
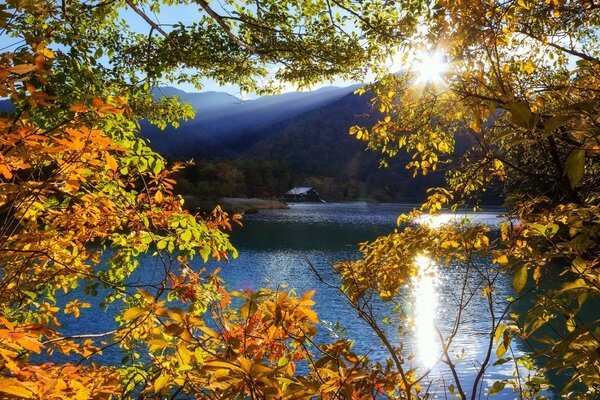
275 247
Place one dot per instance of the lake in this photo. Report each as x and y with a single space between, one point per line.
275 245
274 248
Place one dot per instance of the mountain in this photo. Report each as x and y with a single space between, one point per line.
317 143
225 125
279 141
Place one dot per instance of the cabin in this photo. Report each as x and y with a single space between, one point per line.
302 194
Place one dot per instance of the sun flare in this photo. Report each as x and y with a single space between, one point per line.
430 67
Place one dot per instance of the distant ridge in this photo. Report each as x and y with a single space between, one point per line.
306 132
225 126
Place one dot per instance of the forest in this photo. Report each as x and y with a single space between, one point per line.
83 197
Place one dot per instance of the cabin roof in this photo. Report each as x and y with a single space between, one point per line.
299 190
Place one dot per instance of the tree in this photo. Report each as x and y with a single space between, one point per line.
82 196
79 189
520 95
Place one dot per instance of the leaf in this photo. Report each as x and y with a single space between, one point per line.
311 315
79 108
5 171
186 235
520 278
554 123
246 365
14 388
575 166
133 313
521 114
21 68
174 330
497 387
205 253
111 162
499 332
209 332
501 259
160 382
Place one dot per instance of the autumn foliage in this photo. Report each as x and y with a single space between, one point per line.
76 195
82 197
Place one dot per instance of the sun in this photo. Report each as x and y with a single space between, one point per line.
430 67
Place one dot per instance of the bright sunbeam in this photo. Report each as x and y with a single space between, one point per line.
426 301
430 67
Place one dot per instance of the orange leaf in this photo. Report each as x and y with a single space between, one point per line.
5 171
97 102
79 108
21 68
31 344
112 163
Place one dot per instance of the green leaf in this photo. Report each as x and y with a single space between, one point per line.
205 253
497 387
575 166
186 235
554 123
520 278
521 114
503 361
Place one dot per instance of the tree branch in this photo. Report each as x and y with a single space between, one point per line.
221 21
571 51
146 18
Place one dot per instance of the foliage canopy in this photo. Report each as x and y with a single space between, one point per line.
79 190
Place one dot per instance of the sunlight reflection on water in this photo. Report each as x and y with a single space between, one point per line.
425 296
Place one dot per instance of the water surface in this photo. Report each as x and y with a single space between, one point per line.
275 247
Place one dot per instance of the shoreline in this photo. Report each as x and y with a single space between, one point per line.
237 205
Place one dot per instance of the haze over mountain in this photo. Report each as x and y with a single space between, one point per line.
225 125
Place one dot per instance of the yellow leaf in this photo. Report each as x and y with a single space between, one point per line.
520 278
209 332
246 364
158 197
46 52
311 315
502 259
160 382
13 387
133 313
